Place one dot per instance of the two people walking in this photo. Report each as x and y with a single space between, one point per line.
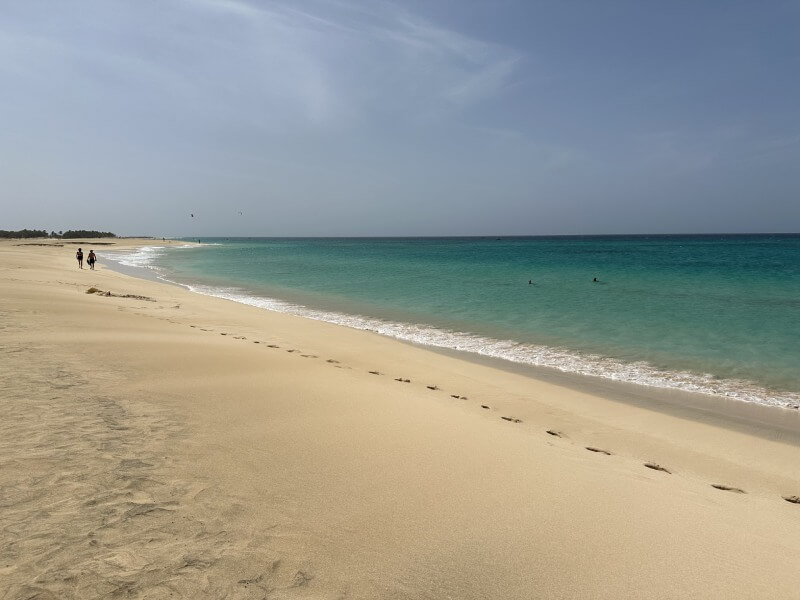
90 260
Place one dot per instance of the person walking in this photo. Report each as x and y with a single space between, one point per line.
79 256
91 259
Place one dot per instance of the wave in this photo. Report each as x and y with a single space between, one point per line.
143 257
560 359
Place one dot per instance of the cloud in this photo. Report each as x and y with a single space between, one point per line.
443 67
232 7
484 83
341 59
279 65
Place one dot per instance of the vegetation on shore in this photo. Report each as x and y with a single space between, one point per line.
61 235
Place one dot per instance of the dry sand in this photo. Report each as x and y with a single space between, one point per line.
186 446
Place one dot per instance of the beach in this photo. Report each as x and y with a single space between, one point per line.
158 443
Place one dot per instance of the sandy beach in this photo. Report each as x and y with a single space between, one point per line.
155 443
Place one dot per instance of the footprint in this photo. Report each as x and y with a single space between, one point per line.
456 396
484 406
374 372
256 342
558 434
192 325
512 419
332 361
223 334
657 467
728 488
401 380
301 579
599 450
432 387
292 350
792 499
250 580
272 346
239 337
309 356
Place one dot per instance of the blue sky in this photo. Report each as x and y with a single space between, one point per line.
442 117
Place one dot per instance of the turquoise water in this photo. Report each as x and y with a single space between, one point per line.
714 314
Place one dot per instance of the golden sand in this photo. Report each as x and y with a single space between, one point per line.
156 443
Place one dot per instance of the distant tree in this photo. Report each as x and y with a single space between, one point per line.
82 233
23 233
42 233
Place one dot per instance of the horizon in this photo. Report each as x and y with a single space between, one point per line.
497 236
401 236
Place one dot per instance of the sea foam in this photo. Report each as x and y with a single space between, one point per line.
563 360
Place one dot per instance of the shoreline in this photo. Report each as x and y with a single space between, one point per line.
770 422
763 420
160 443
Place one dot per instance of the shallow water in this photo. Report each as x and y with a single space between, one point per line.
713 314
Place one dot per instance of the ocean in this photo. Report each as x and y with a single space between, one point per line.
714 314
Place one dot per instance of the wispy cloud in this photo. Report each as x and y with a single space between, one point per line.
486 82
234 7
341 59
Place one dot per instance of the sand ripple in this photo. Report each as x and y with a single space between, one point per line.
90 506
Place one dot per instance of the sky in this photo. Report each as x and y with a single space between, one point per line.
380 118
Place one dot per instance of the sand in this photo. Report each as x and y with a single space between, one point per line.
170 445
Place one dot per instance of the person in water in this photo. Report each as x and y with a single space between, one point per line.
91 259
595 280
79 256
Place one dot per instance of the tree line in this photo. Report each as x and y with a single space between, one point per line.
61 235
